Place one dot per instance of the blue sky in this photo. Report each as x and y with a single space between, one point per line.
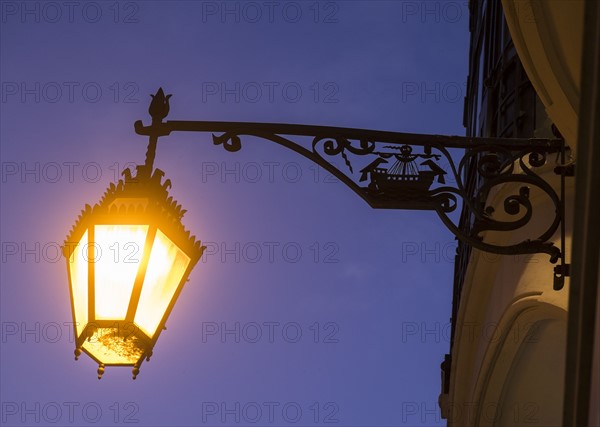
369 290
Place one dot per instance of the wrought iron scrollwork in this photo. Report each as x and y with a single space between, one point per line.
230 142
391 170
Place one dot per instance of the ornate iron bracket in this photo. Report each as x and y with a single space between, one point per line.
392 170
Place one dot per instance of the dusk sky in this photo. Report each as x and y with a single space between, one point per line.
352 305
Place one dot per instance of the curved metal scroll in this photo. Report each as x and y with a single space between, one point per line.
409 183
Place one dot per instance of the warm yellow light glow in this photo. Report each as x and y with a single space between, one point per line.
78 264
115 346
166 267
120 251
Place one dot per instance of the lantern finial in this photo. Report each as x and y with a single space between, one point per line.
100 370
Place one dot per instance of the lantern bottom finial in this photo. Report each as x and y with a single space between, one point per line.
100 370
135 371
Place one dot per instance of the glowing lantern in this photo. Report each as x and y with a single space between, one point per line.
127 260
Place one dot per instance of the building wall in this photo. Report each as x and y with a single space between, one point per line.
548 35
509 336
510 340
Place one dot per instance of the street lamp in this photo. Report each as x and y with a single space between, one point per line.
119 308
127 260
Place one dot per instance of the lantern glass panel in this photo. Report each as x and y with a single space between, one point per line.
78 265
166 267
119 255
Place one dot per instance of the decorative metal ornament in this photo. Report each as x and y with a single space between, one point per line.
128 258
412 171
